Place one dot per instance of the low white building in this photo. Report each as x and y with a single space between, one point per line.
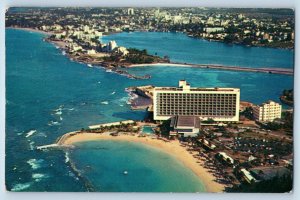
213 29
92 51
226 158
111 124
121 50
267 112
247 176
185 126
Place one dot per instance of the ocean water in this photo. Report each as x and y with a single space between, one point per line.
48 95
181 48
148 169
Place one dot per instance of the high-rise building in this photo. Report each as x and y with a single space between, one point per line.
130 11
267 111
218 104
112 45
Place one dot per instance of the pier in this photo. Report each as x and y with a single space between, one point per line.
47 146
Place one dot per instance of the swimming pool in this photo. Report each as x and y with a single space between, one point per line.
147 130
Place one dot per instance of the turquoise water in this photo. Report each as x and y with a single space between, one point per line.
147 129
48 95
148 168
182 48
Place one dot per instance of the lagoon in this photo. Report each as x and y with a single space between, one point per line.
181 48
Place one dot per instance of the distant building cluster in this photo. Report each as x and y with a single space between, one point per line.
84 39
258 27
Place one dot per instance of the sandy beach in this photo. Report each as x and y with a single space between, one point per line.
31 29
173 148
59 43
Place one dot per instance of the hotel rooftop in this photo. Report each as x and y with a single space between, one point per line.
184 86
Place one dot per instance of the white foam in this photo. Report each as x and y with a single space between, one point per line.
20 133
123 99
99 82
59 108
20 187
63 53
30 133
41 134
133 96
89 65
67 157
37 177
34 163
31 145
59 112
104 102
60 118
53 123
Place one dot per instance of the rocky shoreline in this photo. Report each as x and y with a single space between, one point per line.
83 58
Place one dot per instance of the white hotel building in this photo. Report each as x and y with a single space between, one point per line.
267 111
219 104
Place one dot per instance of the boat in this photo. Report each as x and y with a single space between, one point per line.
125 172
89 65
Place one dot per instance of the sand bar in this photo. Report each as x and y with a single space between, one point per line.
173 148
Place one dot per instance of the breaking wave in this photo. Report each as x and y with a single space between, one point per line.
30 133
35 164
20 133
67 158
20 187
53 123
38 177
31 145
104 102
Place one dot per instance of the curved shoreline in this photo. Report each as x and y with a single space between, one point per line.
31 30
173 148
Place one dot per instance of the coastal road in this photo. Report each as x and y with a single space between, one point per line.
270 70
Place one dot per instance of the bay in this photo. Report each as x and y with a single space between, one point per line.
181 48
